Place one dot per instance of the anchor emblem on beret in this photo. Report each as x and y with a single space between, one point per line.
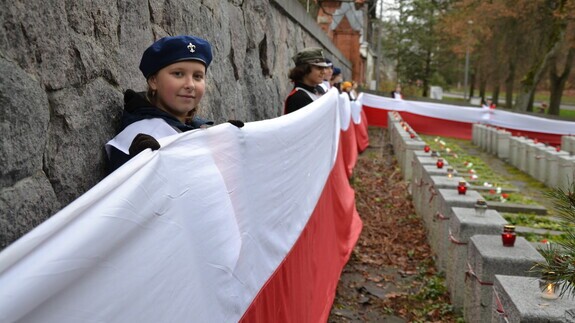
192 48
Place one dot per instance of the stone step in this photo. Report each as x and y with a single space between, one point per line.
520 229
487 189
517 208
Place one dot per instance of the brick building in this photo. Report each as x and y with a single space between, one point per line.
345 25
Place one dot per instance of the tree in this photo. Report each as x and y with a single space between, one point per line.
558 79
552 19
412 40
559 265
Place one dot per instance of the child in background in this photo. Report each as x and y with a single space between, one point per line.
307 75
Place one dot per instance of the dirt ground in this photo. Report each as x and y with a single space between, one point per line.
390 276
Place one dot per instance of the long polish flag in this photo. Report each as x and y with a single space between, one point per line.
456 121
219 225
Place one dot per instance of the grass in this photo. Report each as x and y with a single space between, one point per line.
457 158
450 149
538 222
567 114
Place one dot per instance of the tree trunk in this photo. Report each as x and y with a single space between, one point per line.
482 86
427 74
495 95
530 81
557 81
530 103
533 76
471 85
509 83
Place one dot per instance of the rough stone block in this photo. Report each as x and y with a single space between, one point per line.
492 148
541 163
566 172
518 299
533 150
417 186
522 154
552 165
474 133
409 147
479 134
568 144
503 138
464 224
486 258
438 238
514 150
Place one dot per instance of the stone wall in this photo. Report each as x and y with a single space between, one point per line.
64 65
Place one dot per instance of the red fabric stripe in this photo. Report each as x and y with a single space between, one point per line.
448 128
361 133
349 146
303 287
375 116
438 127
548 138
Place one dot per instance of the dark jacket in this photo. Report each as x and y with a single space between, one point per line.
298 99
137 108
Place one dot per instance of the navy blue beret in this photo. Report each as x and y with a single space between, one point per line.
172 49
336 71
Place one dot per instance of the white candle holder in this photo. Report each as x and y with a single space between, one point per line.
548 289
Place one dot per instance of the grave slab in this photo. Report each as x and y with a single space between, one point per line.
518 299
464 224
533 150
445 200
486 258
503 139
566 172
552 165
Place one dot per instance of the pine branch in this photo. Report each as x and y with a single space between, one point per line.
559 265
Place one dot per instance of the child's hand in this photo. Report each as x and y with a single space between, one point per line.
237 123
142 142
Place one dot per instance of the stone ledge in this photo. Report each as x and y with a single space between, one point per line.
517 208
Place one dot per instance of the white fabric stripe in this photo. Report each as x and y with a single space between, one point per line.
344 110
188 232
157 128
496 117
356 112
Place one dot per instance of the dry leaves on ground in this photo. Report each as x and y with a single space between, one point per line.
390 276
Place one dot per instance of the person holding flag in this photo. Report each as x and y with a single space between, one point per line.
307 75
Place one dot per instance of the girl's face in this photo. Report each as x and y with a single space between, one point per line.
315 77
179 87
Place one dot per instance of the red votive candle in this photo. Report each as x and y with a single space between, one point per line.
426 149
508 236
411 135
439 163
558 148
462 188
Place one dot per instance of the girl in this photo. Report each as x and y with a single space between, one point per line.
175 70
307 75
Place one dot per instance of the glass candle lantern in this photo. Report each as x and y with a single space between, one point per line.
439 163
462 188
508 236
426 149
548 289
449 172
480 207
